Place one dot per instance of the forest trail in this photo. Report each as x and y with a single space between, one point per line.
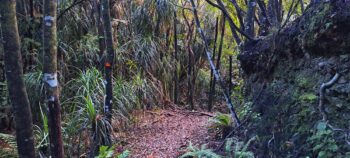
165 133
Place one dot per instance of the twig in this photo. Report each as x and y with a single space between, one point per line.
323 88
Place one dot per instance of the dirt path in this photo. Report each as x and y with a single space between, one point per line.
165 133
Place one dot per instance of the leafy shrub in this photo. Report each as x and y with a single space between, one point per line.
240 149
109 152
199 152
222 123
323 142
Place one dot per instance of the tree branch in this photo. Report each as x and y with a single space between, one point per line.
233 26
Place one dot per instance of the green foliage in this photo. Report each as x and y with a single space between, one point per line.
109 152
222 124
105 152
42 134
304 82
240 149
34 86
308 97
322 141
124 154
88 49
233 148
86 105
202 152
87 86
221 120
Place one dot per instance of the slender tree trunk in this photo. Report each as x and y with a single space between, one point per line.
302 6
30 34
271 12
50 78
216 73
14 74
167 43
100 28
219 55
279 11
109 62
264 20
211 90
250 18
175 58
230 86
239 14
190 68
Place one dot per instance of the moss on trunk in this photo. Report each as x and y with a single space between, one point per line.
14 73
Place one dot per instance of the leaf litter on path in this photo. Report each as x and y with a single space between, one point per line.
165 133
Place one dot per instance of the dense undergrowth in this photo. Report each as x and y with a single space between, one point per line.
279 115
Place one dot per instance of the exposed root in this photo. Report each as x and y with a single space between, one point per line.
323 88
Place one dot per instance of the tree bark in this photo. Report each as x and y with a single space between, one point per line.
50 78
211 90
219 56
190 67
250 18
230 84
175 59
109 62
272 12
14 74
302 6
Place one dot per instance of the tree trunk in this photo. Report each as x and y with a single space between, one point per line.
101 41
211 90
175 59
50 78
302 6
109 62
230 84
219 56
272 12
250 18
14 74
190 67
216 73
